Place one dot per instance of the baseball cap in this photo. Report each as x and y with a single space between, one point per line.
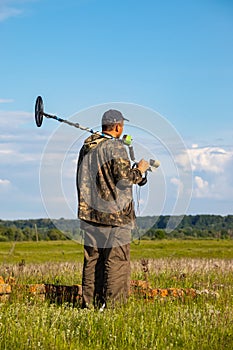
112 116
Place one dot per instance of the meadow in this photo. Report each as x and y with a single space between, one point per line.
201 322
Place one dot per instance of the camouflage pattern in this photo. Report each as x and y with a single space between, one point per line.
104 182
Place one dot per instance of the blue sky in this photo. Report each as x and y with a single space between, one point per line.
172 57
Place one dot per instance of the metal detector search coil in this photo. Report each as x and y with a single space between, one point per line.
39 111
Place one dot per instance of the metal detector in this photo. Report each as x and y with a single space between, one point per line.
39 114
127 139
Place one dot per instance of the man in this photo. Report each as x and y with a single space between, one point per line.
106 212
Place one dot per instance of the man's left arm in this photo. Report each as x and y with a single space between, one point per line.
122 170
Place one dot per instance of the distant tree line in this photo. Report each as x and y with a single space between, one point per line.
149 227
187 226
38 230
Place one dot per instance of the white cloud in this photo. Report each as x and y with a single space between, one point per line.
212 171
7 10
16 155
6 151
201 188
21 146
19 141
6 100
4 182
11 8
177 182
10 120
207 159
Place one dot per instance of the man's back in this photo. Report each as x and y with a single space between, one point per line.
104 182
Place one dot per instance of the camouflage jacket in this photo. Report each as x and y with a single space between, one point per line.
104 182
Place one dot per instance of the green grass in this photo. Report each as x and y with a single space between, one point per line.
42 251
183 248
32 252
203 323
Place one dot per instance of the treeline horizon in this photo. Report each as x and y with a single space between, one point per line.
148 227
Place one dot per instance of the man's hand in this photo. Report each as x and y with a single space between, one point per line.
143 166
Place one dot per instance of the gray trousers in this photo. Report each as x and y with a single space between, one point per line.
106 268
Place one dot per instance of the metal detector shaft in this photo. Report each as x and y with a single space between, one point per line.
77 125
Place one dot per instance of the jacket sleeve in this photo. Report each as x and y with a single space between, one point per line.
123 174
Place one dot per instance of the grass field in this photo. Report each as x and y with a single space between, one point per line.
204 322
58 251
